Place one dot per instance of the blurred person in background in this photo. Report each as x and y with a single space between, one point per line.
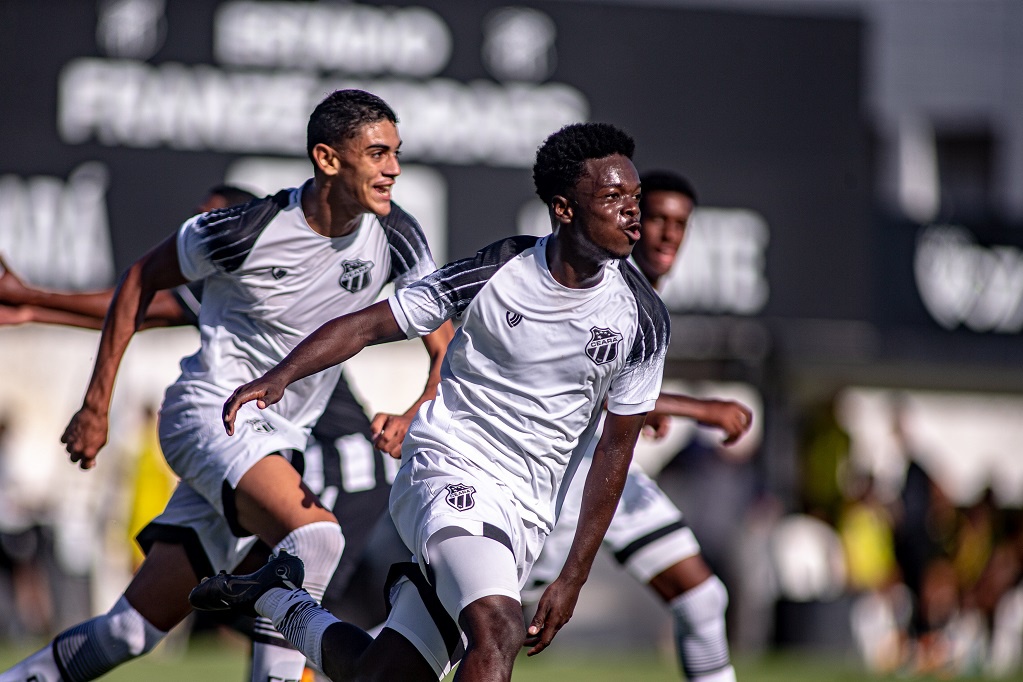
824 455
25 551
353 144
648 535
151 481
881 610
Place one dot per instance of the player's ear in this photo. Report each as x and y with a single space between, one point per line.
561 209
326 159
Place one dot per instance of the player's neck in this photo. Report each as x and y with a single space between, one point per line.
572 266
327 215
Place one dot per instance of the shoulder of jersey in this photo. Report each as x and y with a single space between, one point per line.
398 218
507 248
233 230
645 294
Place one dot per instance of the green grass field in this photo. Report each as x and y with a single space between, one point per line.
219 662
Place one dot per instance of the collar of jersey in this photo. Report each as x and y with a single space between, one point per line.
605 280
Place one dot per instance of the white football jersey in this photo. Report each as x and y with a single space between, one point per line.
528 370
270 281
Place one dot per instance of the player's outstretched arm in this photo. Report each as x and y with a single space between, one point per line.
158 269
730 416
331 344
75 309
603 489
12 315
389 429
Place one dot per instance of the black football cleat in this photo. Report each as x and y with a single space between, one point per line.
227 592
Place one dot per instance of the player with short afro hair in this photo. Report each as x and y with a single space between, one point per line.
561 159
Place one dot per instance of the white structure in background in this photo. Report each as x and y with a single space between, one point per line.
131 28
965 441
55 232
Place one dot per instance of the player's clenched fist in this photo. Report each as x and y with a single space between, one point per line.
389 431
84 436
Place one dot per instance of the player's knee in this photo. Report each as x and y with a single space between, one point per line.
702 605
494 624
319 545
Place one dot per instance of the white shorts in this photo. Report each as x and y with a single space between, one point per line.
191 521
435 497
647 534
198 449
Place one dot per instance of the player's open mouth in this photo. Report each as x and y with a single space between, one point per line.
632 232
384 190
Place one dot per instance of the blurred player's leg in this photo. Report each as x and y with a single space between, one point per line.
321 545
135 624
697 599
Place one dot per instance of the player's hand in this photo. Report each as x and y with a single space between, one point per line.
731 417
389 431
265 390
555 608
84 436
656 425
11 315
12 289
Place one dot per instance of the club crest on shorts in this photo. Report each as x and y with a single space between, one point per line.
512 318
603 345
460 496
355 275
261 426
277 273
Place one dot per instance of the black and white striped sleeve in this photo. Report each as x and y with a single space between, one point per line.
638 384
424 305
411 258
221 239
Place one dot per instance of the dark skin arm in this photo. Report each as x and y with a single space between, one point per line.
86 434
331 344
731 417
603 489
389 429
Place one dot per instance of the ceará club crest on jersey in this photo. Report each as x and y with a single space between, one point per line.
460 496
355 275
603 345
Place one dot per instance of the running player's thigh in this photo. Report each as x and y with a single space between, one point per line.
468 567
271 500
159 589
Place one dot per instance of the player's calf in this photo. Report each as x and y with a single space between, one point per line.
90 649
699 615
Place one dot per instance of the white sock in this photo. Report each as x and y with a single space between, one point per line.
699 615
268 602
276 662
39 666
301 620
90 649
319 545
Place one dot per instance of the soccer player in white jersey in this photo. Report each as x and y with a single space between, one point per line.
274 270
648 535
552 329
343 436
